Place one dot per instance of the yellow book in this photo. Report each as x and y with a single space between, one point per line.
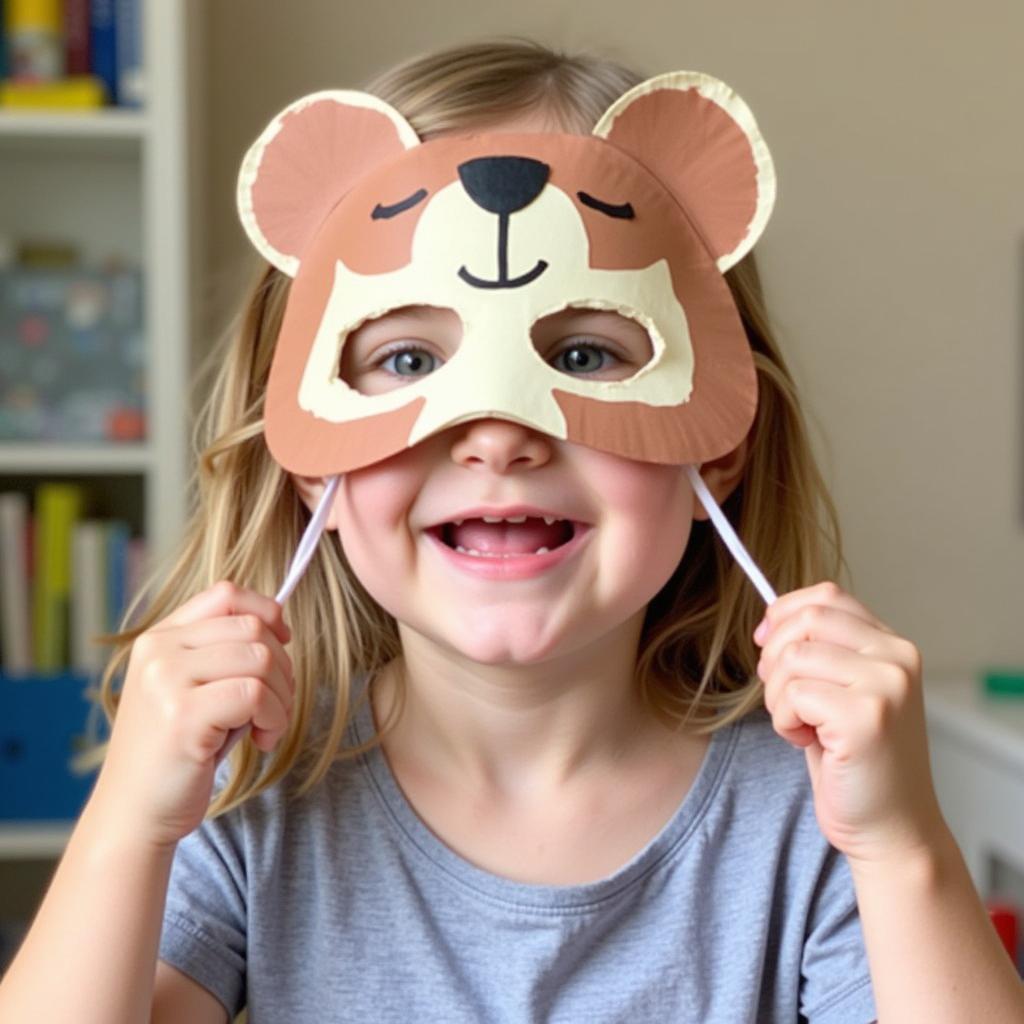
58 506
77 92
34 14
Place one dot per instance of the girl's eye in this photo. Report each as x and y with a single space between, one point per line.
409 361
585 357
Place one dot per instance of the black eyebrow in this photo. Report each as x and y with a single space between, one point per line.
396 208
620 210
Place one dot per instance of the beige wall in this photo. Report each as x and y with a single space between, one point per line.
893 260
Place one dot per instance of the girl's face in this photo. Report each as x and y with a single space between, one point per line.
631 520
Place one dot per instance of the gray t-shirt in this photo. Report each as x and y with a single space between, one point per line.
344 906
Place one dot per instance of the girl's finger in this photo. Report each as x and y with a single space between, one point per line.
822 665
826 593
789 725
836 626
206 665
247 628
227 598
226 704
837 667
844 720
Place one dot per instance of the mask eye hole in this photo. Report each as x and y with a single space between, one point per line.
593 344
398 348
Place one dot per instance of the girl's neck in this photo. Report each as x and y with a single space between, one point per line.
518 731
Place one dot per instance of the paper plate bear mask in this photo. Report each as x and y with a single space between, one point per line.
642 217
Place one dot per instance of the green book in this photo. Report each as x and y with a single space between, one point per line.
58 506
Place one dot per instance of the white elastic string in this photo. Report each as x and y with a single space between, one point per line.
728 534
309 541
303 553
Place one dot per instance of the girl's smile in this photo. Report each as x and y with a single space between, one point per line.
402 521
509 559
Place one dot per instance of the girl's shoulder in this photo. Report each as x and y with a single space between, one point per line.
763 770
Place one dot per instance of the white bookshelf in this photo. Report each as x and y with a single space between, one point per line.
119 182
84 458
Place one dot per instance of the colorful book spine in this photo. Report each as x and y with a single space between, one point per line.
4 70
76 37
15 620
58 506
130 78
103 44
82 92
138 565
118 536
35 46
89 594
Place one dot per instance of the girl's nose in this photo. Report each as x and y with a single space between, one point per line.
499 445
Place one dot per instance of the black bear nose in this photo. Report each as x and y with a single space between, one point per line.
503 184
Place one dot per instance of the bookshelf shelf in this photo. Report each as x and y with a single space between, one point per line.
117 182
104 132
81 458
45 839
103 123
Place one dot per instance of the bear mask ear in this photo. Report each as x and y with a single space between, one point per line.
305 160
701 141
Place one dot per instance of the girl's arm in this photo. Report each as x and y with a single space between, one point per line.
933 952
90 955
215 664
842 685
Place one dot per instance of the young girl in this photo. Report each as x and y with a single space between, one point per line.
589 792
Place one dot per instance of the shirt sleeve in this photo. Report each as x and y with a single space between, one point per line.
835 983
204 925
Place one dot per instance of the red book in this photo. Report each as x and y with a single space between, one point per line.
1005 920
76 36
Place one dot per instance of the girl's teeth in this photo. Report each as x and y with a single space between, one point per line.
485 554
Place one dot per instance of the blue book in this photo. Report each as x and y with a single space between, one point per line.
117 571
47 722
103 44
130 79
3 41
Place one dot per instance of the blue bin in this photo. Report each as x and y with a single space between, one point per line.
44 723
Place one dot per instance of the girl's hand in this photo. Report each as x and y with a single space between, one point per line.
215 663
846 688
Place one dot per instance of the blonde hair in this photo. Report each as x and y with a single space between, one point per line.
696 663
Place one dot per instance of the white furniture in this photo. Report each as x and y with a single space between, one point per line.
117 181
977 753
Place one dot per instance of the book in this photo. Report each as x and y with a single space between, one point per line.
138 566
4 70
118 535
33 39
128 53
88 594
103 44
58 506
77 57
80 92
15 636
